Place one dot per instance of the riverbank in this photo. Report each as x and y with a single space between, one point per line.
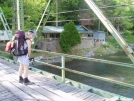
97 50
111 47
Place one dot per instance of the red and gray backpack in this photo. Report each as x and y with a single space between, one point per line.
18 44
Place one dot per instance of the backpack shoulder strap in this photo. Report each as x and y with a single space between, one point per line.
27 39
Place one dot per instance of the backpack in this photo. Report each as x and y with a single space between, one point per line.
18 44
8 46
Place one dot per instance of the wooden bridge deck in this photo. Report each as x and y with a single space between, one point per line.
44 89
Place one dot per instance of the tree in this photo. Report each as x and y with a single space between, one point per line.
126 23
33 10
69 5
6 6
69 37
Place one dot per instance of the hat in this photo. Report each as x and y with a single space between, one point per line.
32 32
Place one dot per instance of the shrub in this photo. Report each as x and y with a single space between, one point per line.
69 37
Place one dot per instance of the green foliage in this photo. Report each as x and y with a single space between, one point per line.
69 37
117 8
69 5
7 10
129 38
126 23
33 10
65 47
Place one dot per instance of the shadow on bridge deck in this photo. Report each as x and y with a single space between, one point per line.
44 89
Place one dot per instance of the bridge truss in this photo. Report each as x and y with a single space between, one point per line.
95 9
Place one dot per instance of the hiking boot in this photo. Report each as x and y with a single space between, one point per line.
20 79
27 82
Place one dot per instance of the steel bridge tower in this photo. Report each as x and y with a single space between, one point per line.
18 15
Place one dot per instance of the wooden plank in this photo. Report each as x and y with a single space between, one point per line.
66 88
51 82
47 93
2 89
1 73
44 92
13 98
31 92
6 96
94 98
60 93
42 78
26 89
70 90
61 85
86 95
79 94
17 91
48 87
75 91
5 91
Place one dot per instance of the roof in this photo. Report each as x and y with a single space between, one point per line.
59 29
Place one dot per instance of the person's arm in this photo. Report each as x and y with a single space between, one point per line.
29 47
13 38
12 41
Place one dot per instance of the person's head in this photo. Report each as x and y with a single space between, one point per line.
31 34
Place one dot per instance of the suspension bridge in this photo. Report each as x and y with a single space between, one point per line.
58 88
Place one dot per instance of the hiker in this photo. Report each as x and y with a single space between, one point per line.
24 59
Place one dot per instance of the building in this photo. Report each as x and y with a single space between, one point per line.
99 38
54 31
51 34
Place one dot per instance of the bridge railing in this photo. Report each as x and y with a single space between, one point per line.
79 85
64 69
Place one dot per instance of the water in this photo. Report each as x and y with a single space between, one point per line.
123 74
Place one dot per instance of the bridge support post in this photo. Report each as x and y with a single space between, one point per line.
63 66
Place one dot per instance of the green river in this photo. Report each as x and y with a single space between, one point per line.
123 74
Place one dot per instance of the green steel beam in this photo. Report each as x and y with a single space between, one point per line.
63 66
44 23
21 15
89 59
14 17
111 29
89 75
43 15
5 24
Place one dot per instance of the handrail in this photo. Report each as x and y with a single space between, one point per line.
63 68
86 74
83 86
89 59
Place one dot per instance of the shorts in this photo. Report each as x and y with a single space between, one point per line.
24 60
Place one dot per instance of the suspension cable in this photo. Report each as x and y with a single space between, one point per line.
93 19
90 9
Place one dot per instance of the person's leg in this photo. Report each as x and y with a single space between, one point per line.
25 71
20 73
26 80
